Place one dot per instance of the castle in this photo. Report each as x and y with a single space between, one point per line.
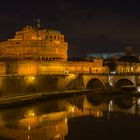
36 51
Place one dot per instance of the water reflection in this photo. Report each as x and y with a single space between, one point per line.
50 120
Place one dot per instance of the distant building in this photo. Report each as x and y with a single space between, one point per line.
128 50
128 64
105 56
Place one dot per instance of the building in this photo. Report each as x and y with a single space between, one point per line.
30 49
128 64
36 51
33 43
104 56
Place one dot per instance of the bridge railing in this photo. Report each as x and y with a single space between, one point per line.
88 73
108 74
126 74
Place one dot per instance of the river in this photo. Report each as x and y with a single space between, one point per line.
83 117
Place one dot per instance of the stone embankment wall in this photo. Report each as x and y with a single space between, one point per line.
12 85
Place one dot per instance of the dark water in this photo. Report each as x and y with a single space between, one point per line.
90 117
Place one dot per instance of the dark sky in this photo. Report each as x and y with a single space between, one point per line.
88 25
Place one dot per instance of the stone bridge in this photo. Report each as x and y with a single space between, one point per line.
10 85
94 81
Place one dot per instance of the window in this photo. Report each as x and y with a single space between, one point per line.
17 42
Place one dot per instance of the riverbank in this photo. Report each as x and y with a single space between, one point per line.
22 100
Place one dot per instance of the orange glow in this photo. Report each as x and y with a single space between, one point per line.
43 51
71 109
30 113
2 68
26 68
29 43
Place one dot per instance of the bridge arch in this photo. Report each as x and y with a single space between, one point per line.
123 82
95 83
125 102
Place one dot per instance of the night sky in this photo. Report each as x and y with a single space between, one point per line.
88 25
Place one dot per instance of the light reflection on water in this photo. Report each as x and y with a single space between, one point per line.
72 118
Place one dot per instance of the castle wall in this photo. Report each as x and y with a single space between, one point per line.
17 85
27 68
2 68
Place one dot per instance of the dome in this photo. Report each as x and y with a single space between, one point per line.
129 58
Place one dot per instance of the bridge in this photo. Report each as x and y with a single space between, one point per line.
25 84
101 81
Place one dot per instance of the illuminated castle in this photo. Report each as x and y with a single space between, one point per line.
41 51
35 44
30 46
